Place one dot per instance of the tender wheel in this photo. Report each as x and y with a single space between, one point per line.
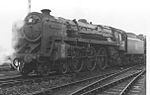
102 58
76 65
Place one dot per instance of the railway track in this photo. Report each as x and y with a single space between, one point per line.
15 80
11 85
18 81
135 85
116 87
5 68
8 81
79 86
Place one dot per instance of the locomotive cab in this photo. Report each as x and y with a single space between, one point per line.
121 39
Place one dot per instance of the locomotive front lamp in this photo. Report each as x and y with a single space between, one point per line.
30 20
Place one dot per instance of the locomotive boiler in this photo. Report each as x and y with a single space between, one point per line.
46 43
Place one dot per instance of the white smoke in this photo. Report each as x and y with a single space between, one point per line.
6 53
16 32
3 56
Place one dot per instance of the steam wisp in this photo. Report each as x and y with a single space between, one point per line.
16 33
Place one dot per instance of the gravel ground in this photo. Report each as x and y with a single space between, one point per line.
143 91
53 82
29 87
5 74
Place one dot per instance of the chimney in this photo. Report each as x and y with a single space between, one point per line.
46 11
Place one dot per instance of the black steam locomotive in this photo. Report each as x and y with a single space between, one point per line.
46 43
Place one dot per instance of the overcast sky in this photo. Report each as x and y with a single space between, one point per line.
129 15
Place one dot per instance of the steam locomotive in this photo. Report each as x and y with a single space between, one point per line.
46 43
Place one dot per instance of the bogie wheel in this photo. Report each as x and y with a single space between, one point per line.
24 69
64 68
91 62
102 58
76 65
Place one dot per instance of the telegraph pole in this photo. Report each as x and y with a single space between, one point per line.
29 6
